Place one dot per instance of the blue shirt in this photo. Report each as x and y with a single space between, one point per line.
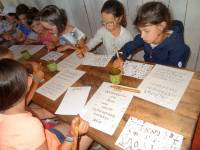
26 31
172 51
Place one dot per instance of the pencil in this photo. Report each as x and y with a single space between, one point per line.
75 142
116 50
130 89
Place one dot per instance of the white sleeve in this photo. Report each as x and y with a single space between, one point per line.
79 34
97 39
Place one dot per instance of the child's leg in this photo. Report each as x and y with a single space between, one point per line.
85 142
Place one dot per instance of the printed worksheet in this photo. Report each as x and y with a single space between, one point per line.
57 85
96 60
53 55
106 108
165 86
72 61
136 69
17 49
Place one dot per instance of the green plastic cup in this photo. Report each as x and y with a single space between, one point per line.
25 55
115 75
52 66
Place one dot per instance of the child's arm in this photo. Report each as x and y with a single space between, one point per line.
38 75
78 128
126 50
20 37
96 40
179 55
131 46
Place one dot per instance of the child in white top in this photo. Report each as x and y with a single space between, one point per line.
113 34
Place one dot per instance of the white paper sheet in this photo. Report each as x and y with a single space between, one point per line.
106 108
53 55
17 49
74 101
96 60
140 135
57 85
136 69
165 86
72 61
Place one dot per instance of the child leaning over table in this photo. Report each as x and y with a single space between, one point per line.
56 21
8 25
19 126
45 36
24 31
160 37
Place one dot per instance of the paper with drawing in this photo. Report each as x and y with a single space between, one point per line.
140 135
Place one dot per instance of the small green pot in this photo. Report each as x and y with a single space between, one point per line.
52 66
115 76
25 55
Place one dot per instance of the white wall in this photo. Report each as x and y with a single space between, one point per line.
85 14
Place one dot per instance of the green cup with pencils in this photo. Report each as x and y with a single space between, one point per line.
115 75
25 55
52 66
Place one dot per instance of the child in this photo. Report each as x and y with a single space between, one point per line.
161 38
113 34
32 67
8 26
45 36
55 19
24 31
19 129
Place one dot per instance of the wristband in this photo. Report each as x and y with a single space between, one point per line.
35 78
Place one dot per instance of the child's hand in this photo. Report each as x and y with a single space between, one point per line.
50 46
80 125
81 52
37 69
7 37
118 63
64 47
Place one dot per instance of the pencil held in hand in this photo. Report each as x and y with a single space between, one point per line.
118 63
116 51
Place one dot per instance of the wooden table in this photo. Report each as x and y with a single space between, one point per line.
182 120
